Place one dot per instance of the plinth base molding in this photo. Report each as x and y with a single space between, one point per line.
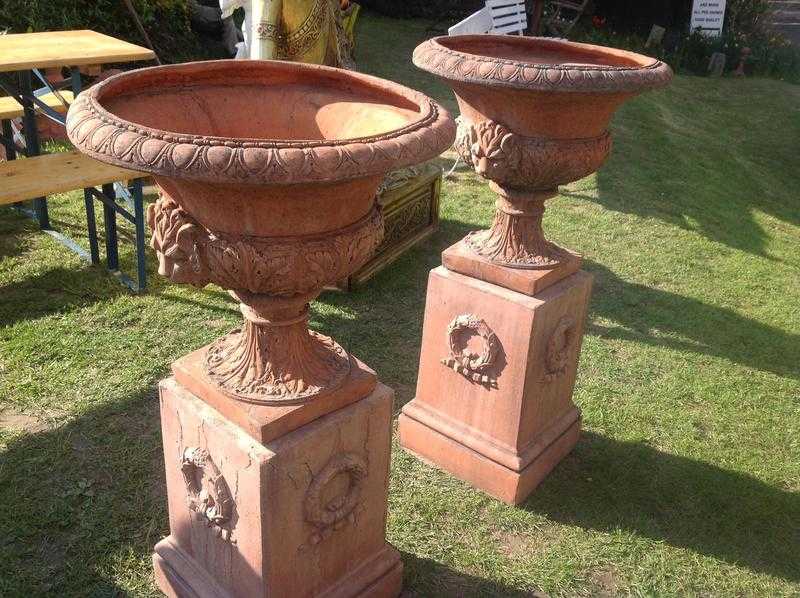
512 486
302 514
178 575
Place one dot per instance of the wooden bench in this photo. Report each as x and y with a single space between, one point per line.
38 176
11 108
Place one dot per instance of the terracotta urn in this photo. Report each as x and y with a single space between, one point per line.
534 115
268 173
505 314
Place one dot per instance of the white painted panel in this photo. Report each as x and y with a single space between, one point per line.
478 22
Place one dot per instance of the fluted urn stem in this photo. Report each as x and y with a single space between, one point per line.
516 238
274 358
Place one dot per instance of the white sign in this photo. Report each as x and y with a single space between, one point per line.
708 16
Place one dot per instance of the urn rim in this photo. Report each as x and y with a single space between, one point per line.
607 71
107 137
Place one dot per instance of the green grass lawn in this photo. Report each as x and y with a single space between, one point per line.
686 480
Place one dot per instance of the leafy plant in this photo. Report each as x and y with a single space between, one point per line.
745 26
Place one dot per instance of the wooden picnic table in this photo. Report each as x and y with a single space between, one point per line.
24 54
47 49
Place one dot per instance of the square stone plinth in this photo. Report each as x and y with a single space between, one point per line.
301 515
267 422
460 258
497 370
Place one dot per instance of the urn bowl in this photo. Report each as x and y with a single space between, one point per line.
282 157
268 173
535 111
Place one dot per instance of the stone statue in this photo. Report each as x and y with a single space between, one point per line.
297 30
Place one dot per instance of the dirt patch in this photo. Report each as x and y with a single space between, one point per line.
18 421
604 583
512 545
520 546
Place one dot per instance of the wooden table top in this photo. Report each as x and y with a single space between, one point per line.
22 51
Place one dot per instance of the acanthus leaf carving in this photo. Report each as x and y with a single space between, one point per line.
500 155
276 363
189 253
525 172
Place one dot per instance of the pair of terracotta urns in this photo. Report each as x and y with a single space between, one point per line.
276 438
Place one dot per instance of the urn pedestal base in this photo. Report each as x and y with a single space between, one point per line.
497 370
303 514
460 258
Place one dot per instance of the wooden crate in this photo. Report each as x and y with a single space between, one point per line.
410 203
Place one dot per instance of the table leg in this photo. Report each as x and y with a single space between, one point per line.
32 141
110 222
88 198
8 141
138 212
10 147
91 226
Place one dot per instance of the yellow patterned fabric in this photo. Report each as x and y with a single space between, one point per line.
300 31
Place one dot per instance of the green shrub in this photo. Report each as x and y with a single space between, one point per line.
745 26
166 21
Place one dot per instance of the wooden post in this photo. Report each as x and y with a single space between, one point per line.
536 17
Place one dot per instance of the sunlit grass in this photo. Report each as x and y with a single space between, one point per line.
686 479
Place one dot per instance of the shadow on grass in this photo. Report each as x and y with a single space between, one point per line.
643 314
62 289
56 291
13 227
706 174
608 485
703 328
84 501
431 578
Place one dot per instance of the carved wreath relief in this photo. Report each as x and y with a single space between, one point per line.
328 515
207 492
473 366
559 348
